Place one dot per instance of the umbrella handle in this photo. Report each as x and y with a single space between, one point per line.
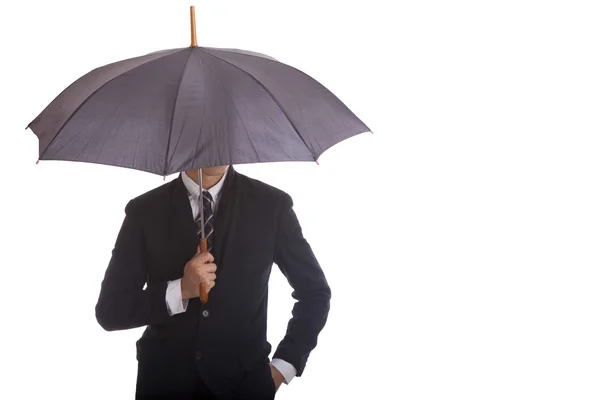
203 290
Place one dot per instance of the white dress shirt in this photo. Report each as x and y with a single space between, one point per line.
175 304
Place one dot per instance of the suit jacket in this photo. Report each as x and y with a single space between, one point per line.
255 226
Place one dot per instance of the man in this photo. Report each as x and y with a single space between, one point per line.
216 350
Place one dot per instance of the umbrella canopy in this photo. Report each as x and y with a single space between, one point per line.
193 107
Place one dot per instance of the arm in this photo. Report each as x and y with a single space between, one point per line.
124 303
297 262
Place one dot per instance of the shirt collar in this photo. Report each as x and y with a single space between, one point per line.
194 189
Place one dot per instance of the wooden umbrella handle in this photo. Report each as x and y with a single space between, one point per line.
203 289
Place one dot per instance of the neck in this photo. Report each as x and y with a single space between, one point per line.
210 176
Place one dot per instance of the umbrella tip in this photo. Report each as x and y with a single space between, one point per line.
27 127
317 161
37 162
193 26
164 177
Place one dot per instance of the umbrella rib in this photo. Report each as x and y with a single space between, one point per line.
237 111
176 146
244 53
72 139
173 112
137 142
92 94
90 139
201 122
270 95
203 114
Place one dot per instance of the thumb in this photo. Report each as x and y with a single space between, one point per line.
198 251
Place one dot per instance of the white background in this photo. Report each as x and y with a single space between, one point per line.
461 240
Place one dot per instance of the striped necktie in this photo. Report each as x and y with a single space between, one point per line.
207 202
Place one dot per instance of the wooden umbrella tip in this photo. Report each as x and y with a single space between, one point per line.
193 26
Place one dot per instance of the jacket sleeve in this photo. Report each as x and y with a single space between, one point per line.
123 302
299 265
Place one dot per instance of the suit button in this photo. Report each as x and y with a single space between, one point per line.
198 355
205 313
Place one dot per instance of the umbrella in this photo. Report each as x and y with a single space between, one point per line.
191 108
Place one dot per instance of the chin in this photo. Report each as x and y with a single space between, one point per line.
215 170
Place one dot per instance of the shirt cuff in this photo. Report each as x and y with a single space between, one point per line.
175 304
287 370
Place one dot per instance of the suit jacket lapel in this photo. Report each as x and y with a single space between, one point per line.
183 225
226 215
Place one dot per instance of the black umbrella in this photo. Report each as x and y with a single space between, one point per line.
192 108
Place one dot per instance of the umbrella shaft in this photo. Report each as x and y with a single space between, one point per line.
203 244
201 205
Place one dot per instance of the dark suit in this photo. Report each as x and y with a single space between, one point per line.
225 349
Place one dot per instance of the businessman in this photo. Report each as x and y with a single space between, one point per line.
217 350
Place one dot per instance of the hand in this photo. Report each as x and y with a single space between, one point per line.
200 269
277 377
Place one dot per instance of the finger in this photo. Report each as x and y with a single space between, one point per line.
210 267
198 250
205 258
209 287
211 276
201 259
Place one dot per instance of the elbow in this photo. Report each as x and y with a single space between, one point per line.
324 292
317 294
324 297
328 292
327 299
105 318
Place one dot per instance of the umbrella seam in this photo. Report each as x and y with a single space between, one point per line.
266 57
238 113
203 115
137 142
72 139
173 112
270 95
244 53
89 140
92 94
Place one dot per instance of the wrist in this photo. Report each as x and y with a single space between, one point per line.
185 293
